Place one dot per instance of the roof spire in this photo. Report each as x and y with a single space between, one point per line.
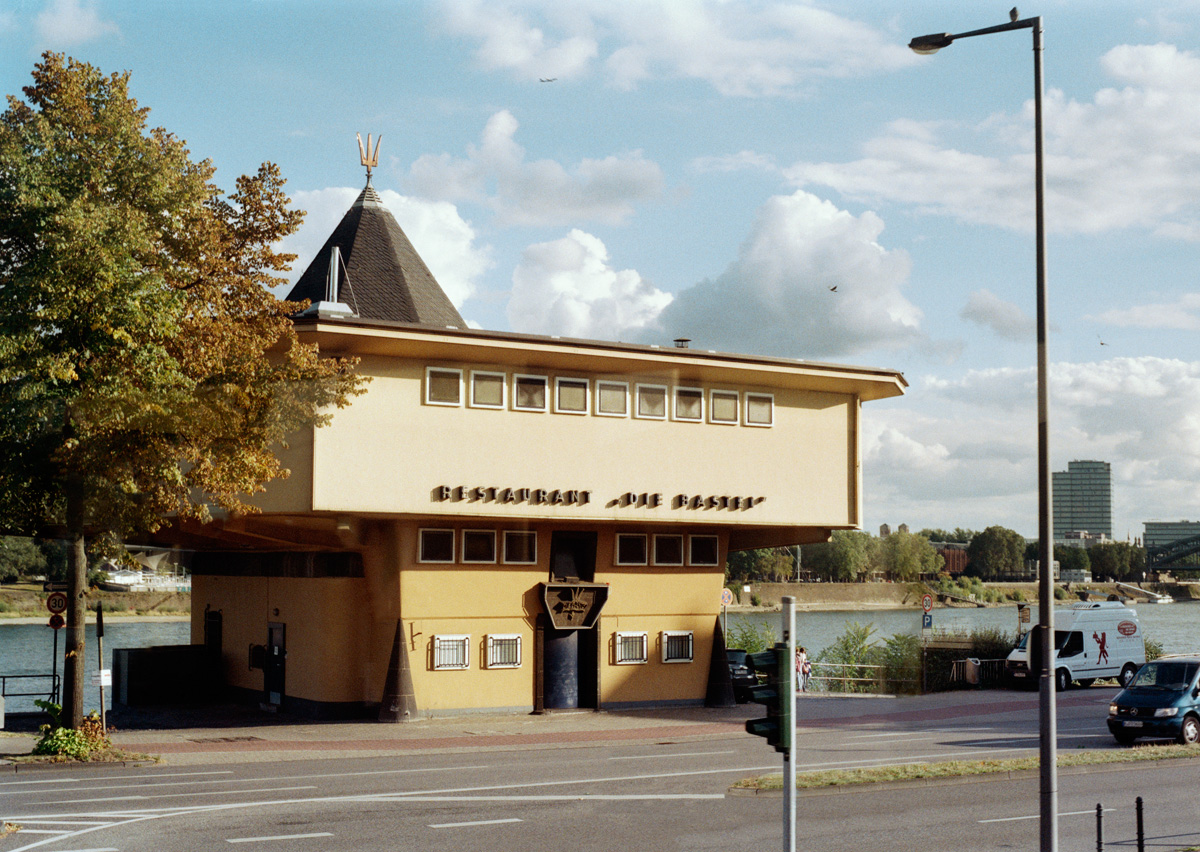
369 158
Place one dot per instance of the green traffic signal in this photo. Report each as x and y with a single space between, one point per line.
780 674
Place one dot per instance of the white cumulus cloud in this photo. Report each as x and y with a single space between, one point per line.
1004 318
740 49
1098 175
66 23
541 192
568 287
810 281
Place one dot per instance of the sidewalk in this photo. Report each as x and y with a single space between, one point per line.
240 734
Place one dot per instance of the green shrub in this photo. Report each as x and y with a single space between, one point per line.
1060 594
83 744
1017 595
751 639
755 600
1154 649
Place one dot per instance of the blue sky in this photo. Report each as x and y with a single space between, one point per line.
711 169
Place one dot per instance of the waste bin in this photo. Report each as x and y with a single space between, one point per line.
971 671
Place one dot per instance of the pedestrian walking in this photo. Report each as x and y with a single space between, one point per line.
803 668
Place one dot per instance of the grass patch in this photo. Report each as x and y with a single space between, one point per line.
962 768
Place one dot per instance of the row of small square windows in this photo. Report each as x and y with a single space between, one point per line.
520 548
503 650
608 398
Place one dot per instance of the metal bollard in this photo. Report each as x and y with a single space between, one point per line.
1141 834
1099 827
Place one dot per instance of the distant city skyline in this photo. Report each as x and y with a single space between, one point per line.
776 178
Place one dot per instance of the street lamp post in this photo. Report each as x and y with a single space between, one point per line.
1047 733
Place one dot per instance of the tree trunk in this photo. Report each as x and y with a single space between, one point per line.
73 668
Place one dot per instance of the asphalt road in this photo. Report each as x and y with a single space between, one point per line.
669 795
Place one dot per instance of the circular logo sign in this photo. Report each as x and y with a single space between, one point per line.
56 602
927 602
1127 628
726 597
57 621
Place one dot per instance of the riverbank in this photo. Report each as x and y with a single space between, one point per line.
28 601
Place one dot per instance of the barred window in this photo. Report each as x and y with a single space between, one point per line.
504 651
631 648
451 652
677 646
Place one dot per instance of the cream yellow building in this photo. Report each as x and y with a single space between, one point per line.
513 522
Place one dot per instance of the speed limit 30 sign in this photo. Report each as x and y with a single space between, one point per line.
56 602
927 602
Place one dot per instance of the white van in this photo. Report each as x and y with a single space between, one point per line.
1092 639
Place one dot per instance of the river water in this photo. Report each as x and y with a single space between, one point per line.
28 649
1174 625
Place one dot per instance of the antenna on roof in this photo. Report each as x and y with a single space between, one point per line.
369 158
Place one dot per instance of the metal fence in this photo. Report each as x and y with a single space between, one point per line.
23 682
973 672
856 678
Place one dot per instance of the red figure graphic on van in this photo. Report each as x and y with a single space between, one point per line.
1101 640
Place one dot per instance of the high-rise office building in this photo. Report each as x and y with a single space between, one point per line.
1083 498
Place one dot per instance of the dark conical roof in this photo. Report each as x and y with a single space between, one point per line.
384 278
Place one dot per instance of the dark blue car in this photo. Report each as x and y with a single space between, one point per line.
1162 701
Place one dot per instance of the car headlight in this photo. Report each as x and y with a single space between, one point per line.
1166 711
1112 709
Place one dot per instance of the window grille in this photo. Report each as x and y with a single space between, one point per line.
631 648
451 652
677 646
504 651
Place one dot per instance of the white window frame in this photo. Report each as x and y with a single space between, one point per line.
545 392
450 641
747 396
619 647
429 386
617 548
463 551
624 386
637 401
504 554
675 405
654 554
420 546
587 395
721 392
493 641
503 389
716 549
668 635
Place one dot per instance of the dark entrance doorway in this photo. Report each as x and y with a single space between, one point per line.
274 665
571 663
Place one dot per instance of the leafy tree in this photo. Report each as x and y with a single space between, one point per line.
1071 558
846 557
906 556
959 536
144 367
995 552
20 557
768 564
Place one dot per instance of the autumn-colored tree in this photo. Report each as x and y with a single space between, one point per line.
144 367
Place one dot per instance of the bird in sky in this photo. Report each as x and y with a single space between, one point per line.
547 79
1013 14
1101 339
833 289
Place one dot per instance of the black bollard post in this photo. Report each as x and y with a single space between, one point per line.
1099 828
1141 834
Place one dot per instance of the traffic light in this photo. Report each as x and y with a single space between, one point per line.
781 681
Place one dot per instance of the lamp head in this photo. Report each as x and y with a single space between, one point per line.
931 43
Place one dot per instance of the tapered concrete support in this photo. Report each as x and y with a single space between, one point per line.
399 702
720 683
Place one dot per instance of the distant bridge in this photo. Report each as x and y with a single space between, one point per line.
1170 554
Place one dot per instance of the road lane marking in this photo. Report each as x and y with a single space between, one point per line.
177 795
267 839
475 822
1038 816
74 780
664 756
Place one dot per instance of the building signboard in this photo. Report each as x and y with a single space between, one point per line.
574 606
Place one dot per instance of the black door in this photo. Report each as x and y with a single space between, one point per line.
571 670
273 670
